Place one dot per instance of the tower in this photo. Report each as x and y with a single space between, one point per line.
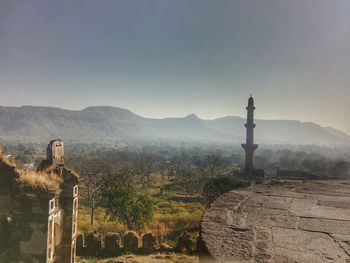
249 146
55 152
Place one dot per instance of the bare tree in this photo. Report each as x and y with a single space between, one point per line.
215 164
94 173
144 166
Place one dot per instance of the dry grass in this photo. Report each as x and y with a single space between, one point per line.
103 223
41 180
9 163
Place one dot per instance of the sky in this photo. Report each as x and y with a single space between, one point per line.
170 58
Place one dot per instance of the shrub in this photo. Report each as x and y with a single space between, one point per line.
217 186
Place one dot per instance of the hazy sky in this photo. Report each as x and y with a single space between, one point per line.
163 58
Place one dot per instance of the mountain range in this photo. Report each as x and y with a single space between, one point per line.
109 124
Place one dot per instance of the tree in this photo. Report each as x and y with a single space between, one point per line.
129 207
215 164
144 166
94 173
217 186
341 169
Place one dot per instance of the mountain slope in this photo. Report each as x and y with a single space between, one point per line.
107 124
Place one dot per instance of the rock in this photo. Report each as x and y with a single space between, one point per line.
131 242
93 244
291 222
149 243
184 244
80 245
165 248
112 245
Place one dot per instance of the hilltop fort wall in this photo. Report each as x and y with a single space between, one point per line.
38 211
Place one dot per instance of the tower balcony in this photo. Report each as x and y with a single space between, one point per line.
251 147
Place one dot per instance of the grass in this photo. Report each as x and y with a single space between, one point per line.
169 220
103 223
42 180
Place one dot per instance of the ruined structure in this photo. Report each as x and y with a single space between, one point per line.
249 146
55 152
291 222
38 211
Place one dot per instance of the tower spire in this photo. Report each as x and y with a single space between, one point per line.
249 146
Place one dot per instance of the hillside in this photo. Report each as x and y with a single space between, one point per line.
108 124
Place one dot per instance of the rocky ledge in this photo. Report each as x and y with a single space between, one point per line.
290 222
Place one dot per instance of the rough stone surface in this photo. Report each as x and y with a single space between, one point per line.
291 222
131 242
112 244
149 243
93 244
184 244
80 245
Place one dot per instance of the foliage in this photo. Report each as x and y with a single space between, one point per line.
126 205
215 187
103 223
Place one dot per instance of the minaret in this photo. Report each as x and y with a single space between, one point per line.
249 146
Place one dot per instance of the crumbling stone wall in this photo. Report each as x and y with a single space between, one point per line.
55 152
38 215
23 218
113 245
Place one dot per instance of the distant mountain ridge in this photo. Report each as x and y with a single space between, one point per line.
103 124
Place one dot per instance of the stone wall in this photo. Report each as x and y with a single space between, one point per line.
23 218
113 244
38 213
55 152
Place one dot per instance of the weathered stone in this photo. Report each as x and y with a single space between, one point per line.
165 248
37 215
311 208
37 242
93 244
80 245
293 222
112 244
325 225
149 243
184 244
131 242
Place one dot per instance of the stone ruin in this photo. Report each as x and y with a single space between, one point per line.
55 152
113 244
38 210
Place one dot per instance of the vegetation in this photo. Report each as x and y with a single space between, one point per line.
127 206
217 186
163 188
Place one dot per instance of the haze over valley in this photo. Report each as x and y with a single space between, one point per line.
109 124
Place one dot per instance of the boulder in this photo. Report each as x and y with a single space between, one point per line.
294 221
